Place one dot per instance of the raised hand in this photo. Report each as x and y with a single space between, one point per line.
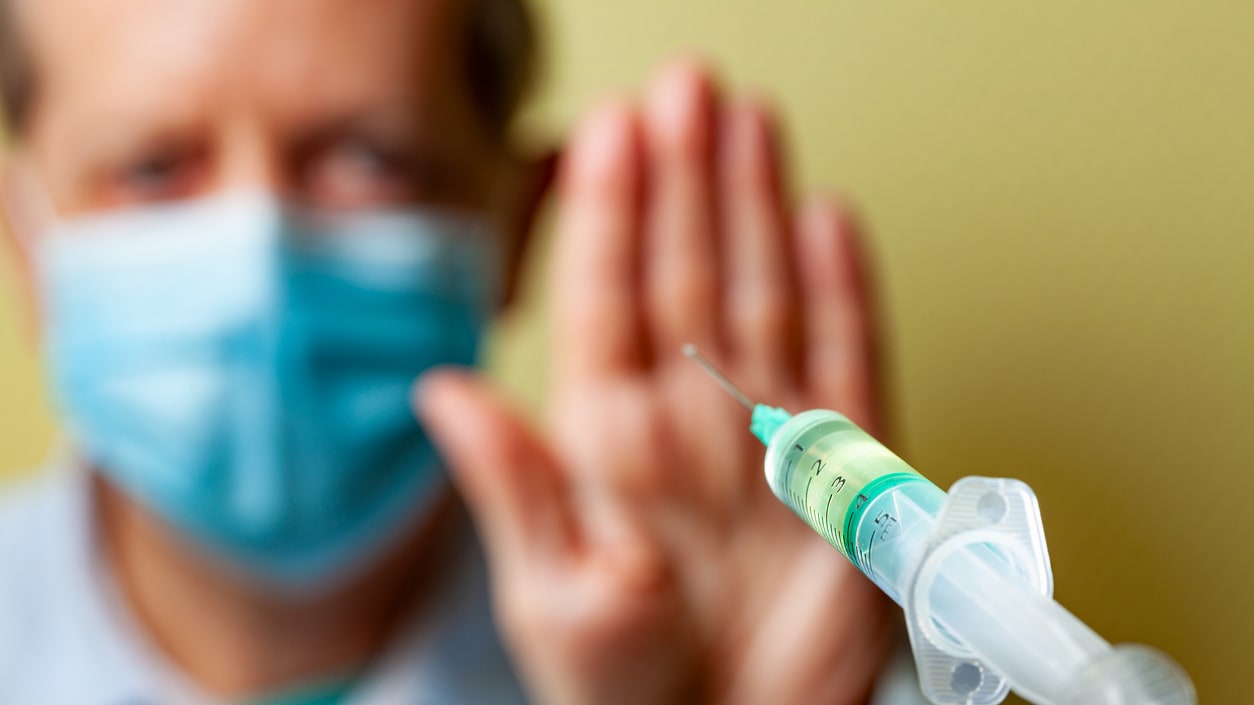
637 555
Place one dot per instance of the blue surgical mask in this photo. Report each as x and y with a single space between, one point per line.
244 369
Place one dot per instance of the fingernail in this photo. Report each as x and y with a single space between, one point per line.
681 104
604 140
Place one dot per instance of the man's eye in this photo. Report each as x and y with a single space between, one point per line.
358 173
369 161
365 165
151 174
156 177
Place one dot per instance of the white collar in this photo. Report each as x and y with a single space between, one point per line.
453 655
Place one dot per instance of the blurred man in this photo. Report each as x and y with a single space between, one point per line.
248 227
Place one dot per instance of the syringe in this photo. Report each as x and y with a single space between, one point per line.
970 568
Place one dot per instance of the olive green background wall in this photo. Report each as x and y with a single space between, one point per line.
1061 200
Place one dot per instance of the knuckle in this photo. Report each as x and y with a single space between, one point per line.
682 297
761 316
520 615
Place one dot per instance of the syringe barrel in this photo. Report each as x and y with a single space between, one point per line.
844 483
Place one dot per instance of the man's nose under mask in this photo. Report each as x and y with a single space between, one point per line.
244 369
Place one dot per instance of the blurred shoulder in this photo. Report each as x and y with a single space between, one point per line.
28 507
35 526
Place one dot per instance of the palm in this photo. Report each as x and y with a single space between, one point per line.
720 575
638 555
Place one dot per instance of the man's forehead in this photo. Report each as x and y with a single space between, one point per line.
275 48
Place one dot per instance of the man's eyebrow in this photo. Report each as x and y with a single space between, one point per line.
393 119
367 122
115 145
420 146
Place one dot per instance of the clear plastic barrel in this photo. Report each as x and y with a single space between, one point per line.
845 485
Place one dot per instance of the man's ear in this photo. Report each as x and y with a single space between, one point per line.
25 208
531 181
18 231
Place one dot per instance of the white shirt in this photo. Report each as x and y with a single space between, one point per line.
67 639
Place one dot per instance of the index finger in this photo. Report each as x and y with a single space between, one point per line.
596 328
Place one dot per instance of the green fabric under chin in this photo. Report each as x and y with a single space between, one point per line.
330 693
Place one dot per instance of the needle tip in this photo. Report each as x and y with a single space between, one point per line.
692 353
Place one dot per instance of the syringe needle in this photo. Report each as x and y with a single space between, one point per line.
692 353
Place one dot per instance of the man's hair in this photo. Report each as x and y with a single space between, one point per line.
501 58
16 75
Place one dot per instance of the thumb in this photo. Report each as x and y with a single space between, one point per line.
508 475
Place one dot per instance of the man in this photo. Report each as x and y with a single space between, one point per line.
248 227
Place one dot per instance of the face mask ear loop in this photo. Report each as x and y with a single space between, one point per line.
497 265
